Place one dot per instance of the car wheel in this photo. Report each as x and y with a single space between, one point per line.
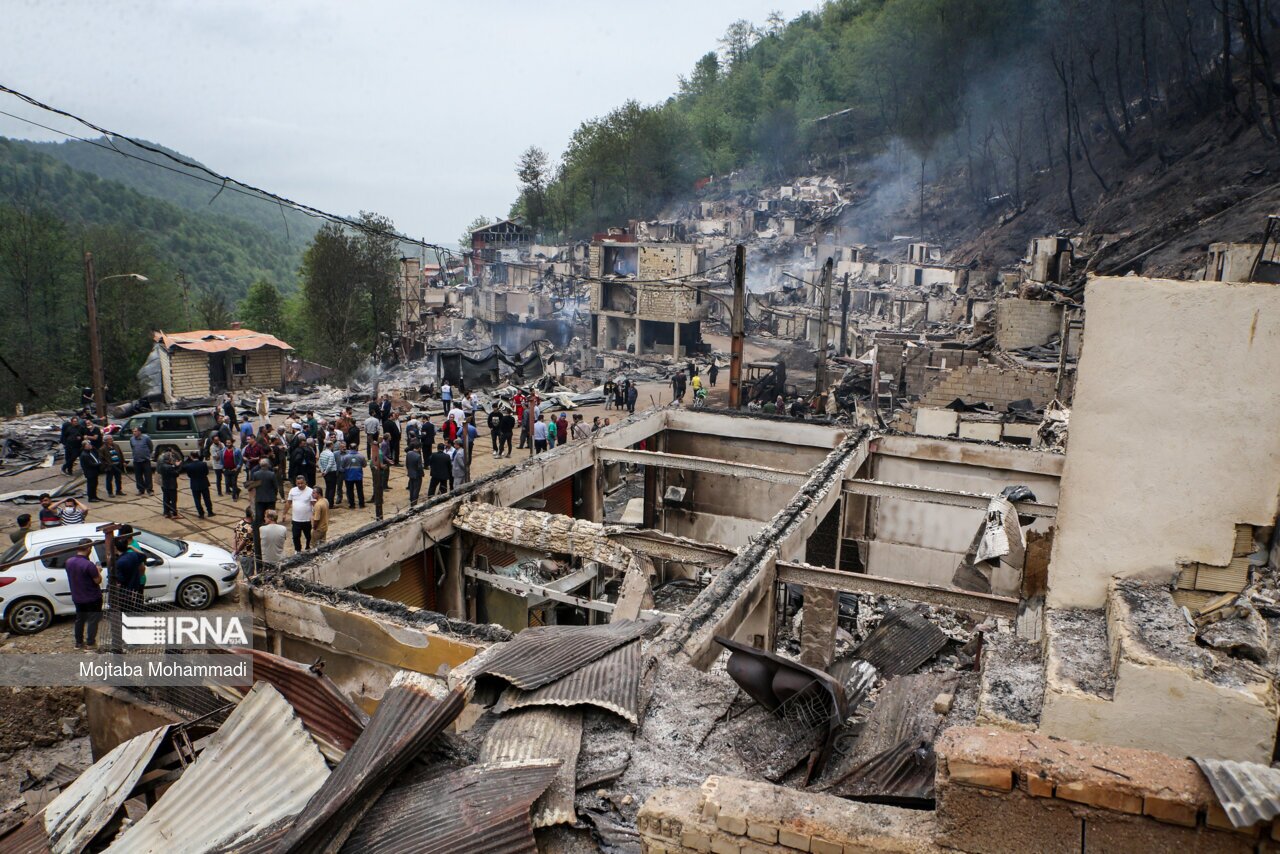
196 594
29 616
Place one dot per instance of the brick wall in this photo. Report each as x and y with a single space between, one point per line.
1001 791
995 385
1026 323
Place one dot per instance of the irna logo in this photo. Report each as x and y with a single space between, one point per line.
185 630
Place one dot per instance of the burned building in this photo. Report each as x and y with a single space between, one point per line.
497 242
641 298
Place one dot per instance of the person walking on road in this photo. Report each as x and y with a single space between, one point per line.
197 472
461 470
112 466
354 475
71 437
141 450
441 469
264 496
301 507
91 465
414 471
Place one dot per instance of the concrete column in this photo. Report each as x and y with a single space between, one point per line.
637 335
675 337
452 593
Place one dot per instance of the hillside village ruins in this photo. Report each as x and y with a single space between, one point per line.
1009 583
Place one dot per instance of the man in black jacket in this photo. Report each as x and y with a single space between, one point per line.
414 471
197 472
91 464
441 466
71 438
168 470
506 427
264 495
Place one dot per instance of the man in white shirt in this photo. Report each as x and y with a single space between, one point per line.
272 536
372 427
301 501
446 393
459 417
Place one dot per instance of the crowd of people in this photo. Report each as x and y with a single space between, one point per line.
310 465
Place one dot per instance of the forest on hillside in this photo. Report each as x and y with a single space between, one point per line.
162 177
996 89
216 253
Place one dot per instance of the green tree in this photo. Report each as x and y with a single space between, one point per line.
349 294
531 169
464 242
262 308
212 310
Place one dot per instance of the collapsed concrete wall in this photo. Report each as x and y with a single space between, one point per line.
1026 323
1168 452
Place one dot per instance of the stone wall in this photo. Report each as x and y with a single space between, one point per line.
1026 323
992 384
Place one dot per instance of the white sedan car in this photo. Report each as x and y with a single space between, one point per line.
32 592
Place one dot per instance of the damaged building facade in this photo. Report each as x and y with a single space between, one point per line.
713 631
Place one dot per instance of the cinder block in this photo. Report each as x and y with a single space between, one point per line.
1216 817
762 832
725 845
732 824
986 777
1169 811
1039 787
791 839
825 846
1102 797
696 840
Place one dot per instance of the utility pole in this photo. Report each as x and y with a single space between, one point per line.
844 318
824 319
95 343
738 326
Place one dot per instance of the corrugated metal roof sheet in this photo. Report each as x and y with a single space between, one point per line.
219 340
413 711
541 733
611 682
75 816
259 767
482 809
539 656
30 837
893 760
328 714
1247 791
903 641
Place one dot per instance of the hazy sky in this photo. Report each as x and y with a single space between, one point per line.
416 110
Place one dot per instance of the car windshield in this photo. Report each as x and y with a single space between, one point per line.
164 545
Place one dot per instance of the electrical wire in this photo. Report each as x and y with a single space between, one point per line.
225 182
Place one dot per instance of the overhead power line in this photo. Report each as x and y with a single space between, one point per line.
200 172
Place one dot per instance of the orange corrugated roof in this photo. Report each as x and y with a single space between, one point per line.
219 340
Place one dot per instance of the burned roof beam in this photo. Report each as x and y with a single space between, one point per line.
952 498
526 588
876 585
745 581
700 464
